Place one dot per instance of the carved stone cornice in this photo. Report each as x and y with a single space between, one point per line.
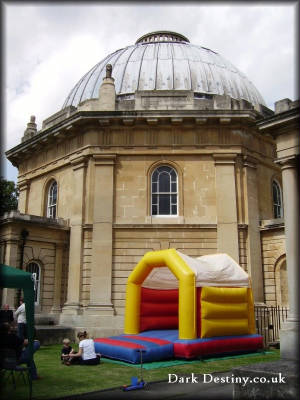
79 162
288 162
250 161
104 159
224 159
24 185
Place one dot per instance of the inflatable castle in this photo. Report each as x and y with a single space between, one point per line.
183 307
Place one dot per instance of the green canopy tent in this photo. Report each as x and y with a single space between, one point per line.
11 277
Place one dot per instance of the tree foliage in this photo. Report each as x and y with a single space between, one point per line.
8 196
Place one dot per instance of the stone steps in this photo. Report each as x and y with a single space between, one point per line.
53 334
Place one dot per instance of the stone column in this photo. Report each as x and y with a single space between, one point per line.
227 236
254 260
56 308
289 334
76 236
11 259
101 265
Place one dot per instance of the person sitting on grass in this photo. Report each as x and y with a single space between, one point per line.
66 350
86 354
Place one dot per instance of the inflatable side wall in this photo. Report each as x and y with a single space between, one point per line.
226 311
220 311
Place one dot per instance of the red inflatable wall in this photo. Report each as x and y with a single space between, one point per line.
159 309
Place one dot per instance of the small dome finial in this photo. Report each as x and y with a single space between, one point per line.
108 70
30 130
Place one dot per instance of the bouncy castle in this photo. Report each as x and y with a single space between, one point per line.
184 307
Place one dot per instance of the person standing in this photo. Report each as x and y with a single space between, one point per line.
21 320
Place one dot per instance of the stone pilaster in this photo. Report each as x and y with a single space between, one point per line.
11 259
254 259
226 205
56 308
289 334
101 266
76 236
24 187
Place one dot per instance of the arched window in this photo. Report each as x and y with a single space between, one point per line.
35 270
164 191
277 200
52 200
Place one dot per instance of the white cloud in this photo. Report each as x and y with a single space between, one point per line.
49 47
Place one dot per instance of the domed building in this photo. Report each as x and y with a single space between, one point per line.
162 144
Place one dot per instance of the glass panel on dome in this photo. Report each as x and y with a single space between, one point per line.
86 92
182 76
93 85
165 51
119 67
131 74
164 76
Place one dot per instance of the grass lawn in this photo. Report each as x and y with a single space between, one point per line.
59 380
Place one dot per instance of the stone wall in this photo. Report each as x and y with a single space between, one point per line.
131 244
196 188
273 256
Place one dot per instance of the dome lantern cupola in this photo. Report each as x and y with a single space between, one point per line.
162 36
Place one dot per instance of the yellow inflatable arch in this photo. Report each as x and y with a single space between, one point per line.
187 291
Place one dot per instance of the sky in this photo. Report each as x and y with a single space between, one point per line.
48 47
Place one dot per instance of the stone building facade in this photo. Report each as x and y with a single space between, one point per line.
126 167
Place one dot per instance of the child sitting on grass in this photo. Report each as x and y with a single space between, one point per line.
66 351
86 354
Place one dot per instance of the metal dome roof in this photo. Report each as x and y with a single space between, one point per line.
166 61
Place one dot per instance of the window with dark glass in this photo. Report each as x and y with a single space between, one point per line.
35 270
164 195
277 200
52 200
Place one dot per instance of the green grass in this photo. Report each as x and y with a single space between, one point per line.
59 380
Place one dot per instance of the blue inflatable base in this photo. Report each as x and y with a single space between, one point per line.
159 345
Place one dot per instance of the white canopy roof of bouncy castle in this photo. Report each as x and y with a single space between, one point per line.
210 270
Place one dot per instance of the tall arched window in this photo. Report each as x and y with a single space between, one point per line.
277 200
35 270
52 200
164 191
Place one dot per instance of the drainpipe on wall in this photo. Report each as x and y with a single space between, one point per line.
24 234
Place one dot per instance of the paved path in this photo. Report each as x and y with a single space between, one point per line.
168 391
